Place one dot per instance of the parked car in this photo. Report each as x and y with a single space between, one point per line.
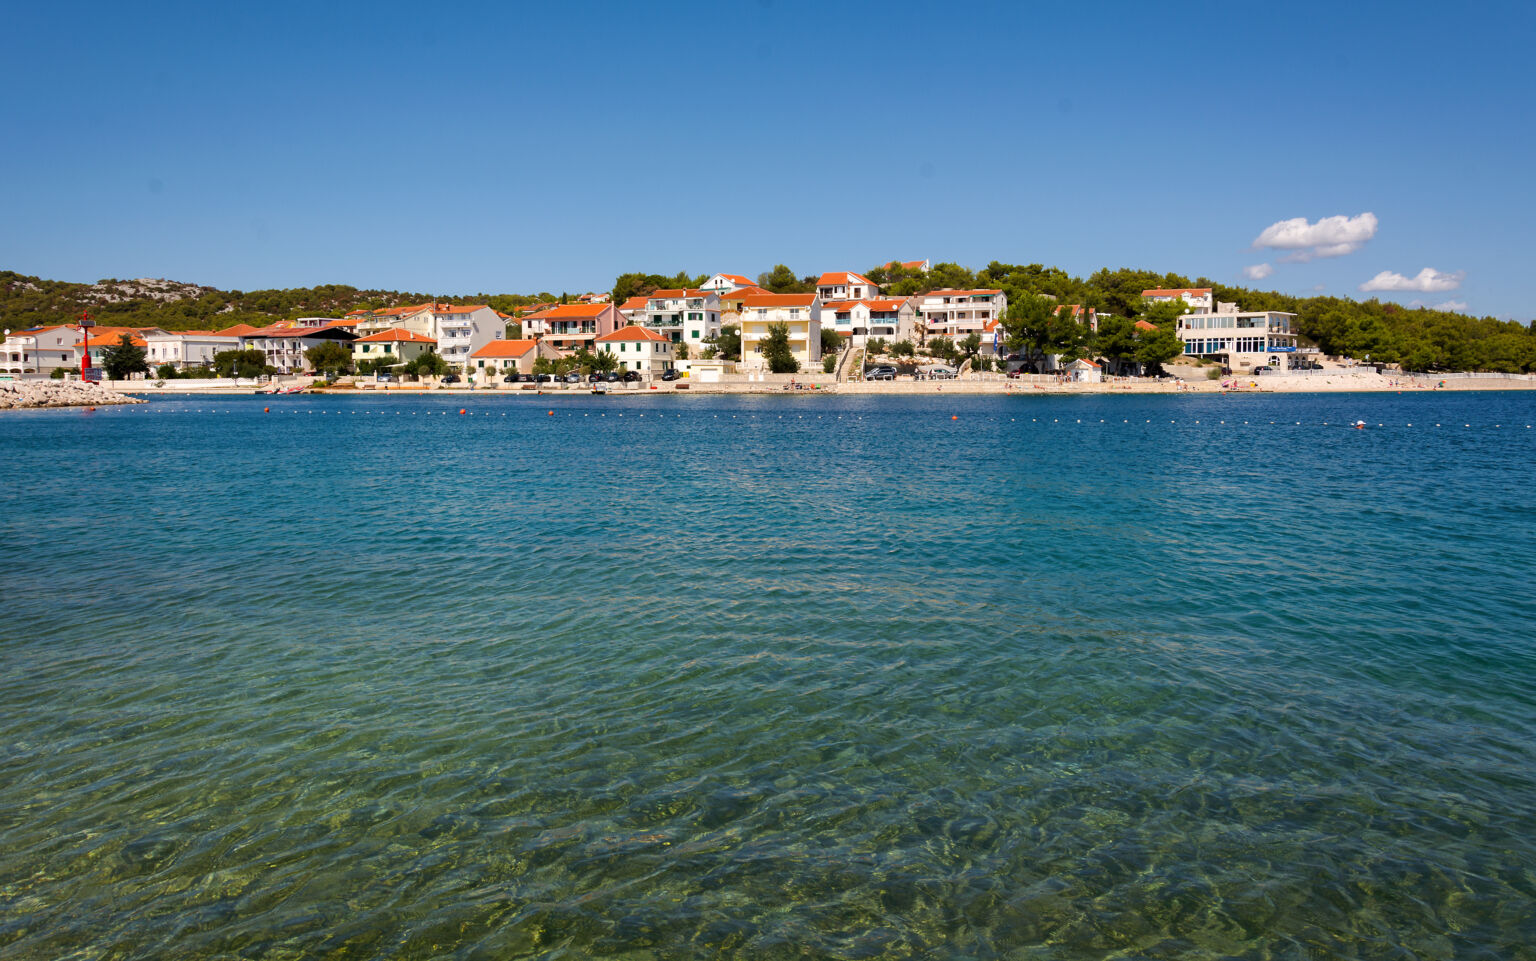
883 372
670 374
611 377
939 372
543 378
515 378
1262 369
449 379
574 377
384 378
630 376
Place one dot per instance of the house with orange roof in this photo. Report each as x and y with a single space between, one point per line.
39 350
508 356
396 345
859 321
283 347
458 329
959 313
569 327
800 313
185 348
846 285
911 266
1084 372
641 349
633 309
685 316
720 283
1200 299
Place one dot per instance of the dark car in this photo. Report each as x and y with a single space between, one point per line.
574 377
630 376
516 378
543 378
611 377
1263 369
670 374
880 373
449 379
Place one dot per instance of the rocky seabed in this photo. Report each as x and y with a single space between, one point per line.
16 396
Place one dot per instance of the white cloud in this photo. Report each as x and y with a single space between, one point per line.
1427 280
1258 271
1329 237
1457 305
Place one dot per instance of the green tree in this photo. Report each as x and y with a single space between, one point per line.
240 363
782 280
831 341
969 349
426 364
1116 341
775 348
729 342
876 346
329 358
681 349
123 358
943 348
166 371
1154 348
903 348
829 363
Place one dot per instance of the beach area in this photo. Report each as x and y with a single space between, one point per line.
1321 382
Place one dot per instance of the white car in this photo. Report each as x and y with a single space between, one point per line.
939 372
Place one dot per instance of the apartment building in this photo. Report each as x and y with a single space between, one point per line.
959 313
800 313
845 285
684 316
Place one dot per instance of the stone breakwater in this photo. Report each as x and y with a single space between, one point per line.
16 396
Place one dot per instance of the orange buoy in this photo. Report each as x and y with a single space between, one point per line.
266 410
954 416
461 410
551 413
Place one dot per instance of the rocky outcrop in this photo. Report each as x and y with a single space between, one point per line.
58 393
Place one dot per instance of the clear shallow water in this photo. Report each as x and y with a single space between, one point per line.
769 677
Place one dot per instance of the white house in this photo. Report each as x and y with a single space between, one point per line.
283 347
633 309
959 313
395 345
1240 338
685 316
1085 372
720 283
1199 299
506 356
641 349
893 318
38 350
459 330
569 327
801 313
185 348
845 285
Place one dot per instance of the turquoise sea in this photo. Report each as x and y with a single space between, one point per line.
770 677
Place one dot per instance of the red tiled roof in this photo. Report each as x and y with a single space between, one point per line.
395 335
634 303
506 348
741 292
673 294
1174 291
778 300
630 333
239 330
844 277
573 311
1144 325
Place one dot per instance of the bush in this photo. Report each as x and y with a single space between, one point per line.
1213 374
58 373
829 363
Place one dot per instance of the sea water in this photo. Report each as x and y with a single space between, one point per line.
769 677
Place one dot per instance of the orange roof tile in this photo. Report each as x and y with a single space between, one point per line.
842 277
505 348
1174 291
395 335
630 333
634 303
575 311
778 300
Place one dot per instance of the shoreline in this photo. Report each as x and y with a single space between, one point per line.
40 395
1266 385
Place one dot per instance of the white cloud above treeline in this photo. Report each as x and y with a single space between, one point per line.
1426 281
1329 237
1258 271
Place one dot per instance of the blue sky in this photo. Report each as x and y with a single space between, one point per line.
511 147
